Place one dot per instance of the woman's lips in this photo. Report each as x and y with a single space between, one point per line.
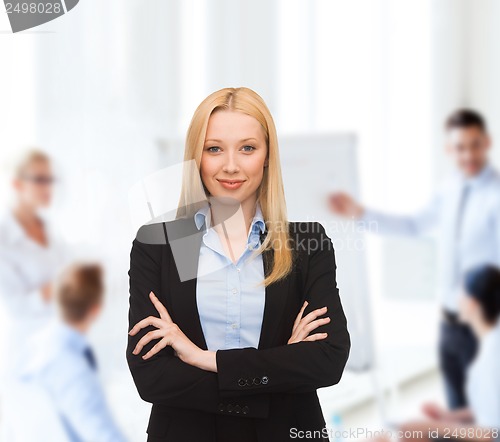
231 185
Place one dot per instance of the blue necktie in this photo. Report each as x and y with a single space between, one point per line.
89 355
458 232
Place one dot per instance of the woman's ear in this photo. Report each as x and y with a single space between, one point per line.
266 162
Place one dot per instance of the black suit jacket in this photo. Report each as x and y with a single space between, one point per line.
266 394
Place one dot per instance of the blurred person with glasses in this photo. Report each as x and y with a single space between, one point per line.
31 254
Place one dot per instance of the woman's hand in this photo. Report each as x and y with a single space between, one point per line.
434 411
303 326
169 334
438 413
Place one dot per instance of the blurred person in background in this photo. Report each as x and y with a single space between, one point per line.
480 309
57 395
32 253
465 211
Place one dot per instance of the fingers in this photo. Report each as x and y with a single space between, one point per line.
303 326
299 316
150 320
313 315
303 332
316 337
160 307
315 324
156 348
148 337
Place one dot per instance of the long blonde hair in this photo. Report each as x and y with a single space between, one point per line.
270 194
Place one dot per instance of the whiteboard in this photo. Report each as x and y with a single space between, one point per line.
313 165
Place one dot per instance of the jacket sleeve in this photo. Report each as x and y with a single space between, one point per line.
303 366
164 378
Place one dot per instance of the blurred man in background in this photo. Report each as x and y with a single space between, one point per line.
465 212
57 396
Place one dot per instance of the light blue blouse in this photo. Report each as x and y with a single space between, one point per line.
230 305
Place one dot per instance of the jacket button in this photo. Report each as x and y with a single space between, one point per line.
221 407
256 381
237 409
249 382
230 408
242 382
245 409
265 379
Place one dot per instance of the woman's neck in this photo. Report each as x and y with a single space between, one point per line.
237 218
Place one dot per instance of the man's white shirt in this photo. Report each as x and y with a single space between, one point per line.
479 241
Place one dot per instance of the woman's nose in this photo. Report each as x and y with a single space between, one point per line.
230 166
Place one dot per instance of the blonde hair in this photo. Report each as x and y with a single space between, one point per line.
270 194
25 159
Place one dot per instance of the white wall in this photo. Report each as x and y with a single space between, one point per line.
483 63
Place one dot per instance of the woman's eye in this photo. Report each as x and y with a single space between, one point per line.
251 148
213 147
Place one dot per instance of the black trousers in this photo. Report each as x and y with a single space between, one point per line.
457 349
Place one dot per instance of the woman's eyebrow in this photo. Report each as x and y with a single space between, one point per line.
221 141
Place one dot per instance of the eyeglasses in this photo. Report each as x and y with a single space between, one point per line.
39 179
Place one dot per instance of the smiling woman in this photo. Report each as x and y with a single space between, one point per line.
238 351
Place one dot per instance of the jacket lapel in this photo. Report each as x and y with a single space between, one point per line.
276 296
185 242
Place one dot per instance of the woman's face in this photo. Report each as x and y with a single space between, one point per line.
34 187
234 156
